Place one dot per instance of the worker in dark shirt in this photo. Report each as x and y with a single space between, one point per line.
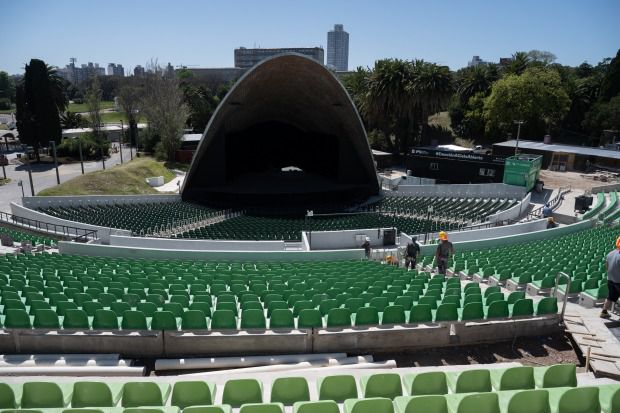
413 252
366 246
612 265
444 250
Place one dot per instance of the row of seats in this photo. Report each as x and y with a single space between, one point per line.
286 390
137 217
19 236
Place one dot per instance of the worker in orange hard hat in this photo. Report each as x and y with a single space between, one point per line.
444 250
612 265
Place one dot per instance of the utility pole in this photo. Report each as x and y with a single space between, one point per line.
81 157
518 122
53 143
121 140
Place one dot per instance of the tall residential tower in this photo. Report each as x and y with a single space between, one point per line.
338 48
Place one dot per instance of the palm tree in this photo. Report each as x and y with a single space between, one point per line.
475 79
57 88
431 88
72 120
520 62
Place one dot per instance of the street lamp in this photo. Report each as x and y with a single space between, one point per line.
53 143
518 122
81 156
121 140
25 149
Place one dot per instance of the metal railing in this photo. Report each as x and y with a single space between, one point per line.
555 290
553 203
74 233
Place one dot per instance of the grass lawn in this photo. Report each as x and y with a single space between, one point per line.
83 107
440 119
4 181
126 179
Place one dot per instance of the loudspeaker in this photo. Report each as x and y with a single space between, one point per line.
389 236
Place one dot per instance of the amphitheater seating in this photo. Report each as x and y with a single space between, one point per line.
55 291
379 392
19 236
140 218
289 229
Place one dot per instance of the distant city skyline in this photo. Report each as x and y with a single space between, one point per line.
205 33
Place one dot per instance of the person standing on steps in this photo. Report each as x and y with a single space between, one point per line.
444 250
413 252
366 246
612 265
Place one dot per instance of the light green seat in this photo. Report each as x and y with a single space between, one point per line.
95 394
513 378
574 400
288 390
192 393
609 397
242 391
386 385
473 403
337 388
161 409
557 375
221 408
426 383
144 393
372 405
469 381
421 404
324 406
524 401
282 318
37 394
262 408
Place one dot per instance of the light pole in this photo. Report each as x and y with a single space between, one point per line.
518 122
130 142
25 148
53 143
102 157
3 159
121 140
81 157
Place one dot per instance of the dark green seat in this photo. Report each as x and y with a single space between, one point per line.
222 408
242 391
134 320
46 319
446 312
119 307
393 314
421 313
513 378
282 318
469 381
163 320
339 317
253 318
105 320
38 394
310 319
367 316
472 311
192 393
76 319
145 393
262 408
337 388
63 306
223 319
497 309
193 320
95 394
288 390
8 398
91 306
16 318
147 308
557 375
523 307
548 305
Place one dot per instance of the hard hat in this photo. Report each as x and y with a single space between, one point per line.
618 243
443 235
367 238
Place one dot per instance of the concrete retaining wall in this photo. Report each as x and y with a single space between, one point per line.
605 188
497 232
347 239
102 232
513 239
158 344
495 190
514 212
155 253
196 244
34 202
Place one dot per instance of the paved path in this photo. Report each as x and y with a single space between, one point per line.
44 176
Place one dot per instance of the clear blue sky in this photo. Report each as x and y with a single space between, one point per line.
205 32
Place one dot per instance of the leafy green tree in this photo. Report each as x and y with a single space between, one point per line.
130 98
475 79
7 91
72 120
93 102
536 97
602 116
520 62
610 86
39 102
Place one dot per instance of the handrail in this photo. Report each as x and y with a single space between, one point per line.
555 290
75 233
537 213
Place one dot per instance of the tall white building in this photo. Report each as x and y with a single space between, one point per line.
338 48
476 61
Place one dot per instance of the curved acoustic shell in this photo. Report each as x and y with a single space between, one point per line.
286 131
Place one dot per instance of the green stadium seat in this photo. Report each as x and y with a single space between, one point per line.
282 318
421 404
36 394
105 320
134 320
91 306
548 305
223 319
242 391
137 394
497 309
222 408
469 381
325 406
446 312
76 319
163 320
426 383
46 319
523 307
192 393
339 317
471 311
557 375
574 400
337 388
253 319
524 401
474 403
387 385
609 398
393 314
193 320
262 408
366 316
421 313
120 307
16 318
95 394
147 308
288 390
8 398
310 319
513 378
369 405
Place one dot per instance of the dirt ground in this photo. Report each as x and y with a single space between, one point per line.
530 351
577 180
